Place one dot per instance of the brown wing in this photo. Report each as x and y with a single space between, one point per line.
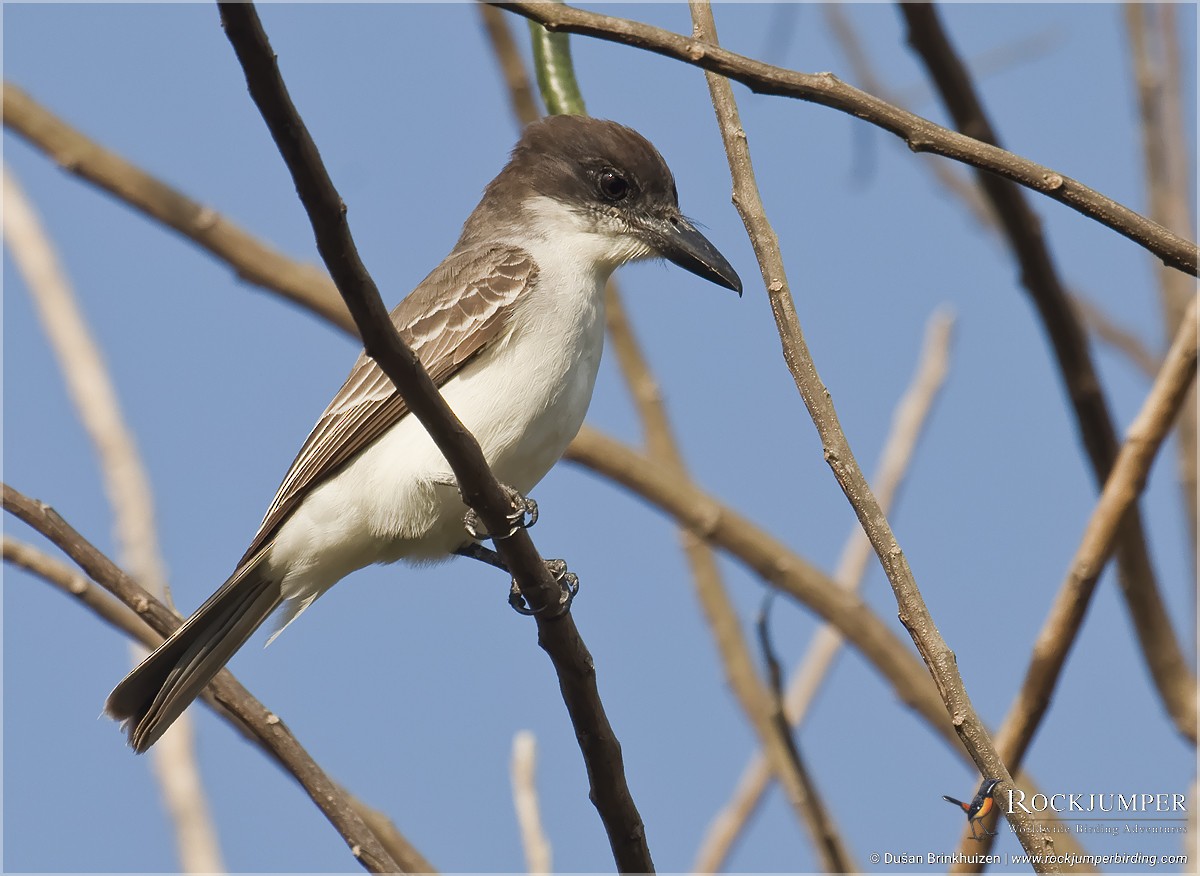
458 310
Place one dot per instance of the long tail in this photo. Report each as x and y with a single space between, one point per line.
152 696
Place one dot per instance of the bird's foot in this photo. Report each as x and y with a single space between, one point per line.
568 583
523 516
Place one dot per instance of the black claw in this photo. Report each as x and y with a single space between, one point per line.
529 509
523 516
474 526
567 580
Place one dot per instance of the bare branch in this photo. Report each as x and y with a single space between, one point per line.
257 722
913 612
907 425
306 285
128 487
1172 677
558 636
827 90
523 771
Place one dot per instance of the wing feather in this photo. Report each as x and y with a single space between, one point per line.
461 308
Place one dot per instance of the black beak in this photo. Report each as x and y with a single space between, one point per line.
676 239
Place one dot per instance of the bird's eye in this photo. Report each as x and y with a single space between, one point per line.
612 185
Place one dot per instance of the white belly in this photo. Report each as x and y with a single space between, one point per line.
523 399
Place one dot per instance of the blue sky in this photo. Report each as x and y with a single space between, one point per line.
408 685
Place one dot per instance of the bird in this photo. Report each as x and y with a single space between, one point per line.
979 807
510 326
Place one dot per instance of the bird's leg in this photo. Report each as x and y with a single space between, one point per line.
523 516
568 581
484 555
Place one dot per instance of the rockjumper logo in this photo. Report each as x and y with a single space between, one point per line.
1096 802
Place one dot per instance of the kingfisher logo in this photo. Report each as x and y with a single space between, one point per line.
1095 802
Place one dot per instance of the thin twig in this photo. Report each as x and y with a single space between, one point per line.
1170 670
908 422
255 719
913 612
523 773
827 90
127 486
1061 627
826 837
480 490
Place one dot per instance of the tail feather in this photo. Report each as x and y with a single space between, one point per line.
152 696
